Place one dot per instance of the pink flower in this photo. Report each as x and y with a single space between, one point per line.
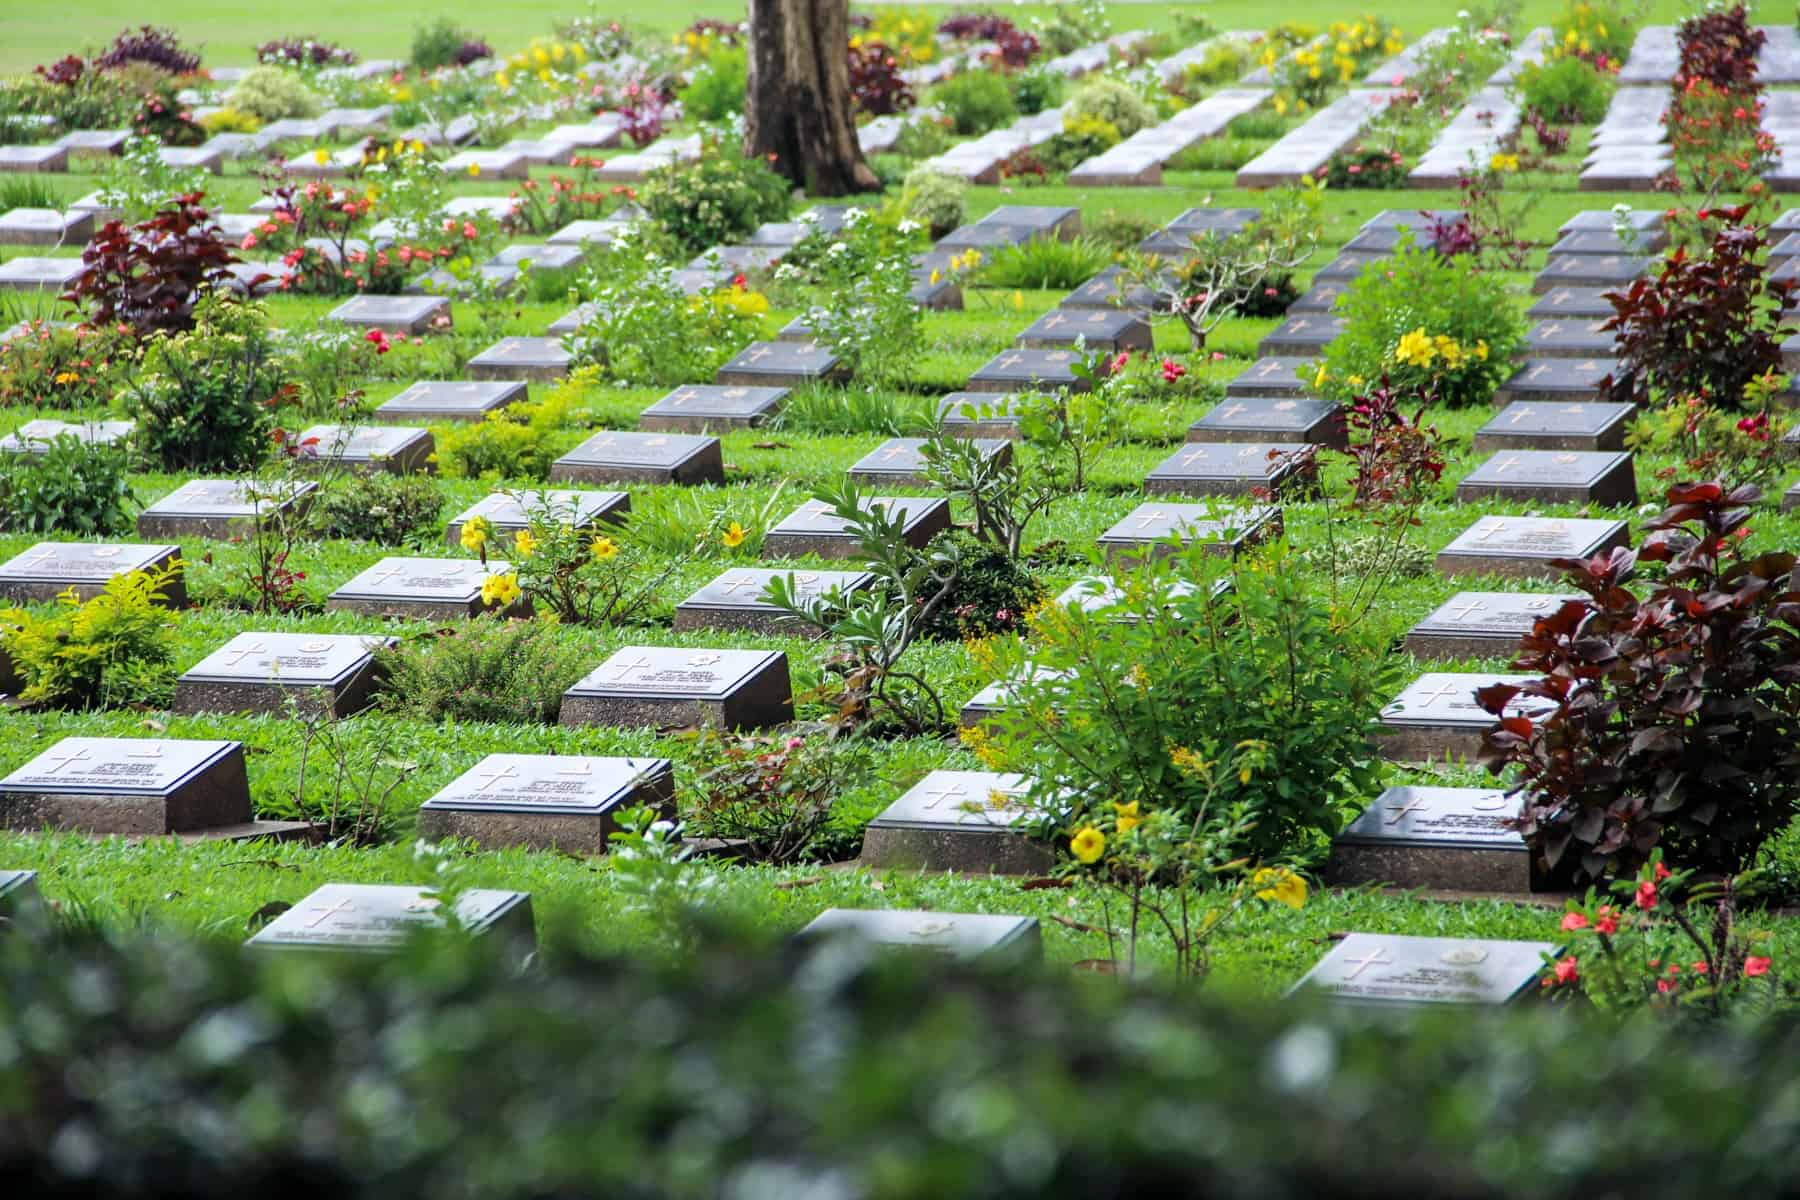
1646 895
1172 370
1662 872
1573 921
1607 922
469 230
1755 966
795 743
1665 986
1119 362
1567 971
249 242
377 339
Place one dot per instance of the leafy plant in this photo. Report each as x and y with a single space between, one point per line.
1110 101
344 786
1036 89
274 94
1046 263
1719 47
1398 459
63 367
878 87
642 326
138 183
992 594
714 200
1564 91
768 796
1710 441
1669 721
1704 325
934 199
112 649
444 43
152 275
504 672
860 280
715 91
975 102
389 510
73 487
206 398
515 442
1365 166
304 52
152 47
1431 325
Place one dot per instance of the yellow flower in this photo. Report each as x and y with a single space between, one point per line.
937 276
474 169
604 548
67 377
1088 845
524 545
1321 376
556 52
1355 381
1280 107
1415 349
1279 883
1018 300
540 56
734 536
418 147
1449 350
1504 162
1128 816
321 157
475 532
1481 349
499 591
1189 762
503 81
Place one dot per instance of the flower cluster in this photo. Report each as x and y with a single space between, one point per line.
1420 349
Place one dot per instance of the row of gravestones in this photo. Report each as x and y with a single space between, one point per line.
1363 969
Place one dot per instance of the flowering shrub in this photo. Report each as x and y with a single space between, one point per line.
934 199
1348 49
907 31
1111 102
150 276
975 27
1364 166
547 204
152 47
274 94
861 281
1564 90
1704 325
304 52
720 197
72 488
1599 32
1398 459
769 795
55 366
1719 47
1710 441
1431 325
386 509
877 86
161 116
1717 140
444 43
1672 719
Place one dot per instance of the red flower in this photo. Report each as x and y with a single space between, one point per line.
1567 972
377 339
1662 872
1608 921
1646 895
1699 968
1665 986
1172 370
1573 921
1119 362
1756 965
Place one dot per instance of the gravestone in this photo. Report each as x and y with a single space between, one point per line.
42 573
1392 971
985 238
1228 469
452 400
206 158
956 821
488 164
1435 718
661 687
1013 940
898 462
1555 379
1590 270
602 232
700 408
433 589
509 512
735 600
28 274
626 457
1148 528
725 263
1453 839
392 314
940 294
1271 378
1317 422
1607 243
1000 695
1040 220
1098 595
1113 329
95 143
1319 298
366 449
573 320
19 896
1417 219
1575 303
814 527
782 364
1021 370
1569 338
1553 477
1602 220
222 508
979 415
1110 289
1480 624
27 160
1522 547
1552 425
1304 336
136 787
364 918
45 227
35 437
521 358
564 802
322 673
534 257
1219 220
1347 266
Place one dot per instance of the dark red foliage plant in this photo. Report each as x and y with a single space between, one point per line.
1013 49
1720 47
975 27
1398 459
1670 719
149 276
877 86
1703 325
151 46
64 72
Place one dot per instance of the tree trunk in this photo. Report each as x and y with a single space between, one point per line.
797 103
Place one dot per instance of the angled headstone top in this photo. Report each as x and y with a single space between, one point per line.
548 783
376 917
664 671
960 799
301 659
1474 818
1447 698
107 766
1393 970
92 562
407 578
952 935
743 587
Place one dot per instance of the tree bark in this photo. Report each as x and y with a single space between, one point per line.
797 103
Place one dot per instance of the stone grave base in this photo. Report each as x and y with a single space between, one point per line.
1448 868
972 851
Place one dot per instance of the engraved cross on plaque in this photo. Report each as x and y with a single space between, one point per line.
1463 610
1416 804
63 760
1439 693
1145 520
758 354
939 793
325 914
1524 410
494 777
239 656
1372 959
642 664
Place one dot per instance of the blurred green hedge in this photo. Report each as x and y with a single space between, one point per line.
147 1066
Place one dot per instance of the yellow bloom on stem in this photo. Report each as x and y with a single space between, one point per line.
1128 818
500 591
604 548
734 536
1088 845
1320 376
1415 349
1280 884
321 157
1481 349
475 533
1449 350
524 545
474 169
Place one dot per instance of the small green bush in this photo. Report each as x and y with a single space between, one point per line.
74 488
992 593
921 138
1110 101
1564 91
484 670
1035 89
206 398
516 442
274 94
716 90
976 101
1046 263
110 650
934 199
440 44
1122 229
389 510
715 200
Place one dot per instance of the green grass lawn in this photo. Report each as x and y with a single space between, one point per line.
214 889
